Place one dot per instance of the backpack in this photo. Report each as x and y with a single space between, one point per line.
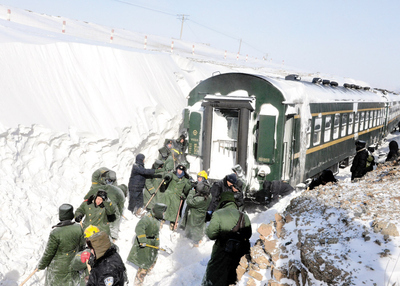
370 160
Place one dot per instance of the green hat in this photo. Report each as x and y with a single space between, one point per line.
225 198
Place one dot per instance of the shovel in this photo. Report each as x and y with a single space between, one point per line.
165 249
174 234
29 277
152 196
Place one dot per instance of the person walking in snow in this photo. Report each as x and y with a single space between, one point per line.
107 267
65 239
358 168
144 252
155 188
136 184
231 230
98 210
193 222
177 191
104 180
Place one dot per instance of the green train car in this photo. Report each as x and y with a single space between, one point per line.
281 129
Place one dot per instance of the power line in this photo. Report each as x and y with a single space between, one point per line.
143 7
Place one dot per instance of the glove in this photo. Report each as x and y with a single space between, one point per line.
157 176
85 256
78 218
167 177
183 197
194 184
142 245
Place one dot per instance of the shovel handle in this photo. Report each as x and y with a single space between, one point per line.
153 195
177 215
29 277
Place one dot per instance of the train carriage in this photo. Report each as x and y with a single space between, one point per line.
281 129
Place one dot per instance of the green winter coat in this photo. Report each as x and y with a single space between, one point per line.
114 193
221 269
151 187
96 215
176 188
78 265
64 242
195 214
165 155
147 231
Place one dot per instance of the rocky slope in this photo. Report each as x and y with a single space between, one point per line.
338 234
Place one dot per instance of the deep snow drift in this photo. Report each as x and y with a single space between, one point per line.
72 103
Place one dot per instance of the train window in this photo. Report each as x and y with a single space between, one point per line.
308 133
328 129
376 118
366 120
317 131
336 126
361 121
350 128
344 125
356 122
371 119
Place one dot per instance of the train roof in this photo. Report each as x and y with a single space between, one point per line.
296 91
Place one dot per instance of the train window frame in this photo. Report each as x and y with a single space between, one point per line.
371 119
317 127
328 128
343 124
366 120
361 121
356 121
308 133
336 126
350 124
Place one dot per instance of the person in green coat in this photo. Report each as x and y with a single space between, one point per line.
147 230
193 222
64 241
231 230
165 155
98 210
154 186
104 180
177 191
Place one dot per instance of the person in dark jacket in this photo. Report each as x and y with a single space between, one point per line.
136 184
64 241
325 177
358 168
227 184
394 153
193 222
144 250
107 267
231 230
272 192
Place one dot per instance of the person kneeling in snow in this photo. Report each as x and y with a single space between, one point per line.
144 251
64 241
107 267
272 192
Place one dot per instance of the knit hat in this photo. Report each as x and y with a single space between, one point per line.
231 178
225 198
66 212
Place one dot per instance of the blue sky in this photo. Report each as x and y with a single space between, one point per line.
353 38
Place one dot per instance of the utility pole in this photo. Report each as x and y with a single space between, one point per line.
182 17
240 44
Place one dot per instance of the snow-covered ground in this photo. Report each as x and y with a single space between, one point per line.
73 102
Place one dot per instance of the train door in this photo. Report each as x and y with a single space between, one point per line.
287 149
226 128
